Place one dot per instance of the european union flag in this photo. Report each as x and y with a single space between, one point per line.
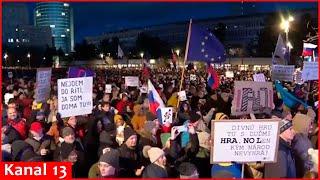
204 46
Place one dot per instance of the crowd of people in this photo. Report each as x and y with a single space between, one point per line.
123 138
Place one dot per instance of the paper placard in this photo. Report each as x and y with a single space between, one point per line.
229 74
244 141
132 81
7 97
251 97
75 96
282 72
182 96
108 88
10 74
43 84
193 77
144 89
298 77
259 77
310 71
166 115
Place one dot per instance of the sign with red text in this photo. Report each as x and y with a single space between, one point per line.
75 96
244 140
251 97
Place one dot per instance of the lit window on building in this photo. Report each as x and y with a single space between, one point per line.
62 35
68 30
63 14
38 14
52 26
66 5
17 40
17 29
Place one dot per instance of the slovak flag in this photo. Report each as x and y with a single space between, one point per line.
213 78
308 49
155 101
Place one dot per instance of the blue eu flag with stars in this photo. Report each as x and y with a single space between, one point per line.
204 46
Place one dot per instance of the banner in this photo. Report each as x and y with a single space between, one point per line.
282 72
251 97
182 96
310 71
75 96
166 115
244 141
259 77
108 88
298 77
132 81
43 84
229 74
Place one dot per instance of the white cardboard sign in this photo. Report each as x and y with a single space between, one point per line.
229 74
166 115
182 96
108 88
259 77
310 71
7 97
193 77
132 81
75 96
245 141
282 72
43 84
251 97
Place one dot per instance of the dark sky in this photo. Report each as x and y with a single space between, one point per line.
95 18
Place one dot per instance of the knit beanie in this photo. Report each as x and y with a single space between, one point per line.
284 125
154 154
111 157
36 127
128 132
67 131
149 125
220 116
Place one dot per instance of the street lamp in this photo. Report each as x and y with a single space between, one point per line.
101 55
29 56
5 58
141 55
178 52
285 25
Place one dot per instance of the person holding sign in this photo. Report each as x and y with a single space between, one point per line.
285 165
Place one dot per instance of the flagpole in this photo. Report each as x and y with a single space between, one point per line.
184 63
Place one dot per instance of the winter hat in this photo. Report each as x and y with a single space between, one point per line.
164 138
36 127
149 125
117 118
145 151
17 148
128 132
111 157
203 137
220 116
67 131
284 125
66 149
154 154
186 169
194 116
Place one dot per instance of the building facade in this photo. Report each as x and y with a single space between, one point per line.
59 17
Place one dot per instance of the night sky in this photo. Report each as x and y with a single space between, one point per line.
95 18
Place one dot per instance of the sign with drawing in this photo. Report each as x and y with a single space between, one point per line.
251 97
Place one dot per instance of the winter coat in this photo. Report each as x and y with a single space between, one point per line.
154 171
46 142
285 165
20 126
12 134
300 146
128 160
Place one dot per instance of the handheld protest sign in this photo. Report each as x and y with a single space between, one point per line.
244 140
259 77
131 81
182 96
282 72
251 97
75 96
108 88
229 74
10 75
43 84
166 115
310 71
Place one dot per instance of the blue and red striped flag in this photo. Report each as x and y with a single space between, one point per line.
308 49
213 78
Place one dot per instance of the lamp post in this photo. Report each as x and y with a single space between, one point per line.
178 53
285 25
141 55
29 56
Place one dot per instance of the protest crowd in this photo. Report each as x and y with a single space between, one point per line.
124 137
